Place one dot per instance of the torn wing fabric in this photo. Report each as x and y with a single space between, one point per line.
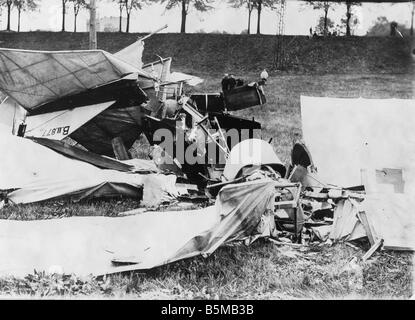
95 184
33 78
11 115
96 135
101 245
39 173
183 77
132 54
86 245
347 225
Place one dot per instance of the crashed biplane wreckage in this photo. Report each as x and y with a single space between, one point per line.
92 106
69 118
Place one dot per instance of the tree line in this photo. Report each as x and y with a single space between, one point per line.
20 6
126 7
325 25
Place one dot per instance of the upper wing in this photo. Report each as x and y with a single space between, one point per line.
33 78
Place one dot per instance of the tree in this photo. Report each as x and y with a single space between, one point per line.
9 4
349 13
326 6
200 5
77 6
24 5
259 5
249 4
324 25
350 25
380 27
131 5
64 2
121 9
383 27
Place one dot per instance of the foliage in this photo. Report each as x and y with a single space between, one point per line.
131 5
78 4
200 5
26 5
249 4
381 27
324 25
319 5
6 3
271 4
326 6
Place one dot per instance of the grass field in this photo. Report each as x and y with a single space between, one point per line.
263 270
281 118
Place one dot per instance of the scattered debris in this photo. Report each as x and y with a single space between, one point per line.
372 250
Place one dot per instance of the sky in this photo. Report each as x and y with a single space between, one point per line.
298 18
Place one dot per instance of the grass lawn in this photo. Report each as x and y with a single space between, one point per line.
281 118
263 270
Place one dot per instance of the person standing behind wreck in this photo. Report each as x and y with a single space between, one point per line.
228 83
224 82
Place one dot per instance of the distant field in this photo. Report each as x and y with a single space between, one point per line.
357 67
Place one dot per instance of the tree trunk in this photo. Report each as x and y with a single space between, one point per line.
184 15
19 11
249 21
348 16
127 29
325 21
120 27
258 26
74 22
92 25
9 7
63 15
412 19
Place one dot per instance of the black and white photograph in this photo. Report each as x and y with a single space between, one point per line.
228 151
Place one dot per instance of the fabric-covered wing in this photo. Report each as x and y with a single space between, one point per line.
33 78
117 121
60 124
239 209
